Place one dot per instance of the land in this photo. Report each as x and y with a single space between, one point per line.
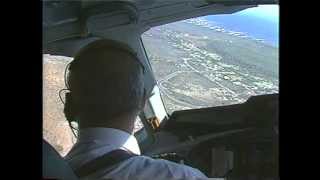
197 65
55 127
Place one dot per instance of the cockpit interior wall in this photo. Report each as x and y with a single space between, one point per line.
116 20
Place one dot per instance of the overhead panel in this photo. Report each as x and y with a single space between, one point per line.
167 13
110 15
61 20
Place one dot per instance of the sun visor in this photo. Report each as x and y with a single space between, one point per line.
110 15
61 20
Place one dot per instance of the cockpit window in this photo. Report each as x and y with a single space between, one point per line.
216 60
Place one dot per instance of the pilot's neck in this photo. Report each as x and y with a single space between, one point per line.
124 124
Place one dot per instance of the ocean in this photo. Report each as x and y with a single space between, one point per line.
253 23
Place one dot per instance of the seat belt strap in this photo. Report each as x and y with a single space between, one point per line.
105 161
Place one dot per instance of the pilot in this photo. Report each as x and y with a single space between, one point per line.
107 93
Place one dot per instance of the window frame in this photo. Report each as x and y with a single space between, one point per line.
151 68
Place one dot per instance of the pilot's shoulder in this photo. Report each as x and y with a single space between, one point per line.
167 168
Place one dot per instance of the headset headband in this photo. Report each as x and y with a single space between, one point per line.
105 43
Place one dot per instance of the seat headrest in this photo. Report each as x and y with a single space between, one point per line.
53 165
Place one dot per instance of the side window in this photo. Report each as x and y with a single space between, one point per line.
55 127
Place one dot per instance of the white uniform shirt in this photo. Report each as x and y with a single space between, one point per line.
95 142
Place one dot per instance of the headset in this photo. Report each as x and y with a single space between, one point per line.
69 107
68 112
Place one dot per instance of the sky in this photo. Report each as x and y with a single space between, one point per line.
260 22
266 12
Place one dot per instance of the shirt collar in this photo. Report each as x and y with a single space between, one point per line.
115 137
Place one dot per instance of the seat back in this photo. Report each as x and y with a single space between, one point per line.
53 165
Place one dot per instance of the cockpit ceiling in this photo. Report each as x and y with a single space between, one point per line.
145 4
70 19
